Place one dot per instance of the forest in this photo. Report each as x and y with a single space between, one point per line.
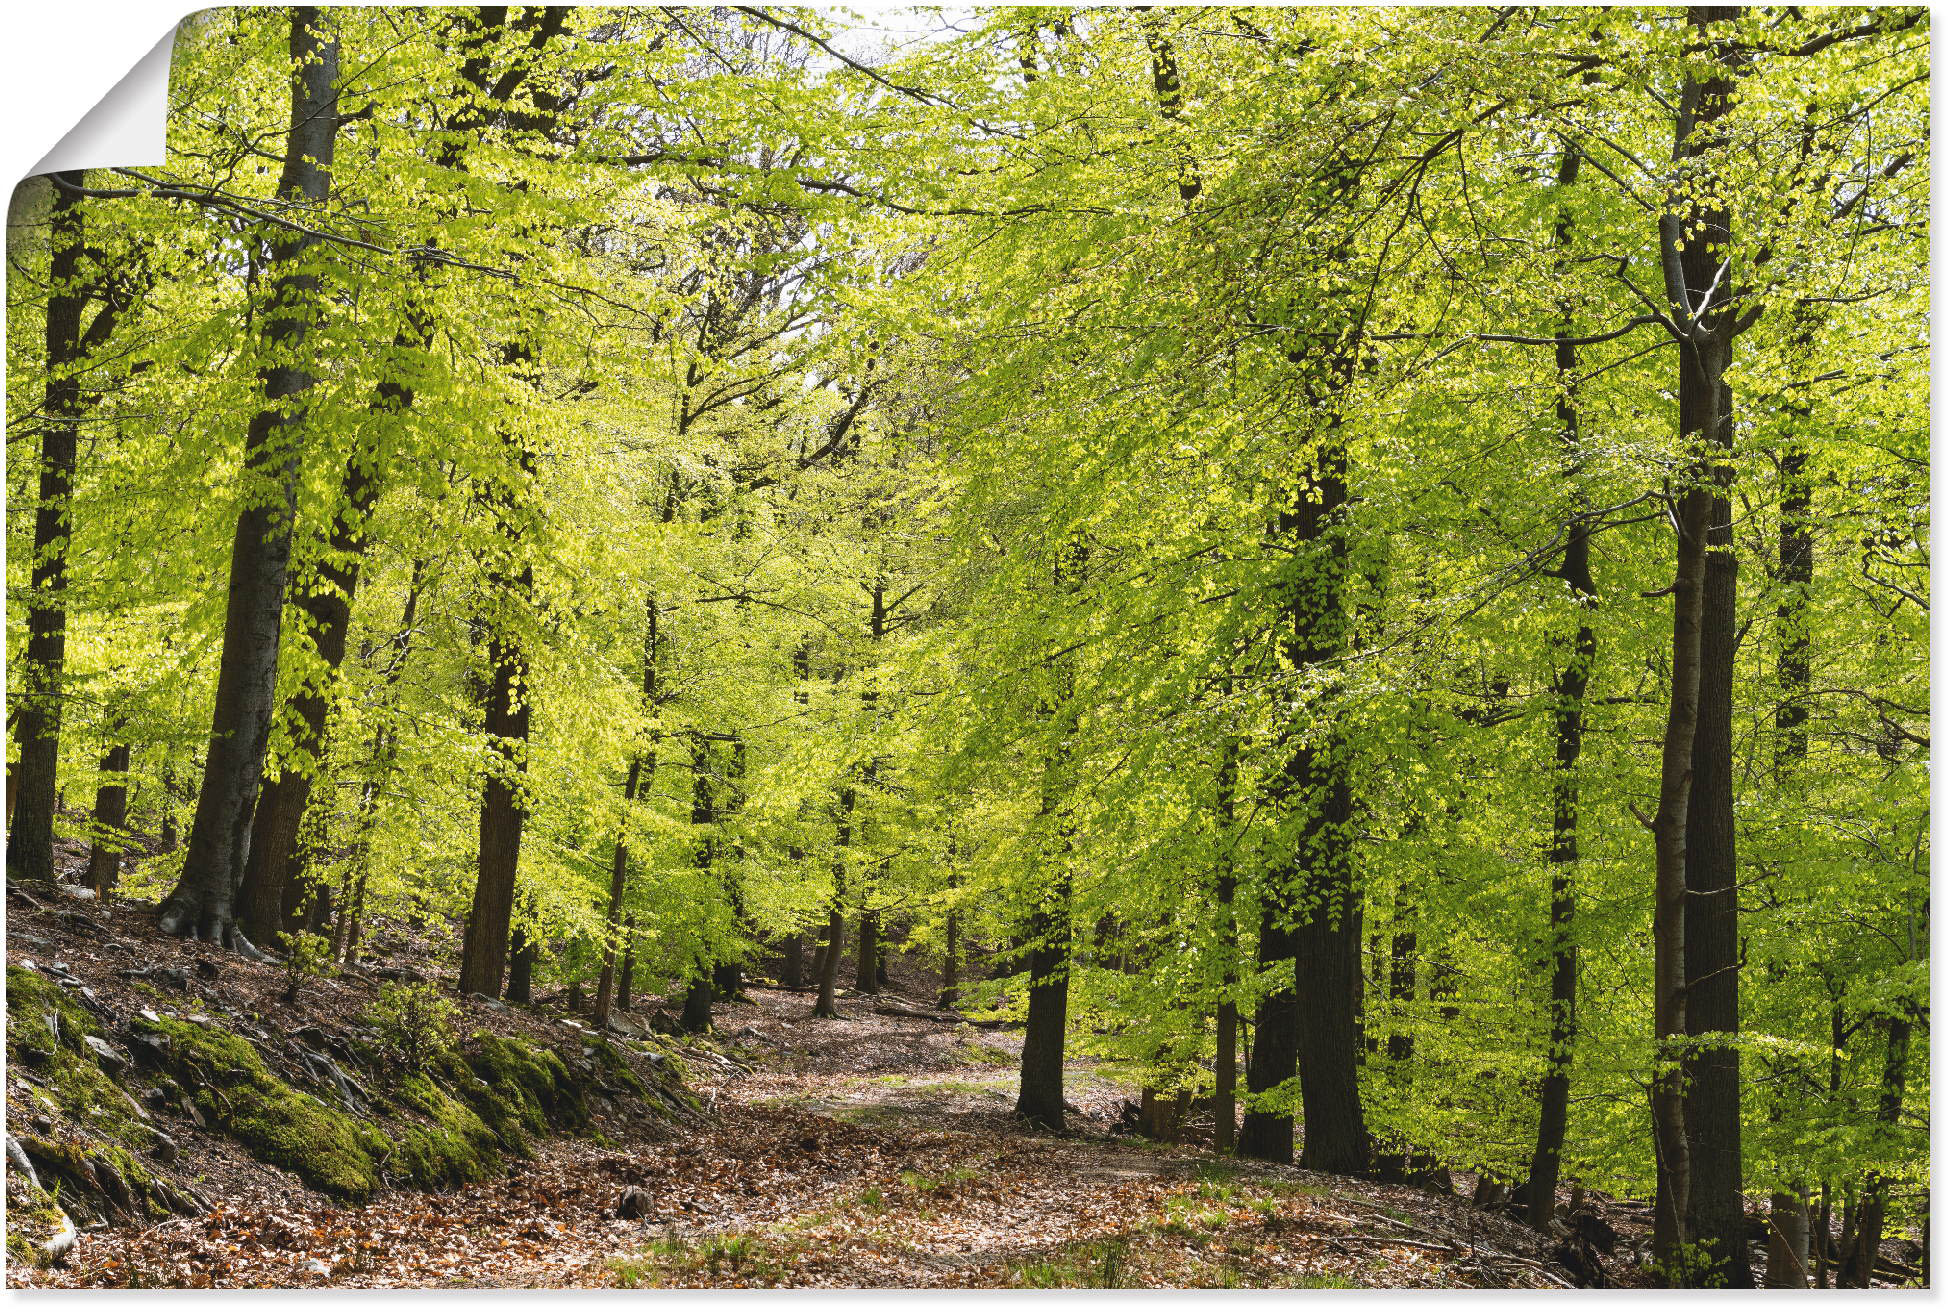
1356 578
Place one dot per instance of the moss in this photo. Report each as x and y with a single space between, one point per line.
526 1087
327 1149
457 1148
45 1032
72 1161
33 1218
612 1071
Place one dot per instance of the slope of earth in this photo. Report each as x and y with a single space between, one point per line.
152 1080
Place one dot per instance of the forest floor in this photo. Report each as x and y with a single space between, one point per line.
872 1150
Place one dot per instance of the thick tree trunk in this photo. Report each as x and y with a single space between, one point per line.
1045 1038
1571 687
865 975
696 1003
520 968
111 821
503 805
1267 1133
791 961
1328 972
1786 1261
37 712
219 840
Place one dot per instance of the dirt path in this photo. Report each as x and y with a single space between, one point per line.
865 1151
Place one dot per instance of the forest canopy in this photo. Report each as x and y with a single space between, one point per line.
1371 562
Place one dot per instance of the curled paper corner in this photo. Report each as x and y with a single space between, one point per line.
128 127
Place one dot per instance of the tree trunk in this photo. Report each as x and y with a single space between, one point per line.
1703 405
111 819
1224 1093
503 805
827 1006
791 961
865 976
37 716
1267 1133
1711 1112
950 964
696 1003
1857 1258
642 769
202 903
1045 1038
520 968
273 886
1571 687
1786 1262
626 985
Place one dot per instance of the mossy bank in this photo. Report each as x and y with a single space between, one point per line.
107 1107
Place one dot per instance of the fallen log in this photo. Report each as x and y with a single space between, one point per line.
938 1017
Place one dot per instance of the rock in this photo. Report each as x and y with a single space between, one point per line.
195 1113
169 977
633 1205
149 1049
164 1149
317 1267
75 891
18 1160
400 974
105 1055
157 1098
207 968
486 1001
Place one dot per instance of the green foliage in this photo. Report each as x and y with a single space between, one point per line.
306 956
414 1023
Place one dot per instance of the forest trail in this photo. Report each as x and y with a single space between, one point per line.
871 1150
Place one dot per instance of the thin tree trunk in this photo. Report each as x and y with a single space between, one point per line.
641 769
950 964
1703 355
520 967
274 888
827 1006
111 821
626 985
203 902
1571 687
37 715
1224 1094
1712 1120
1858 1257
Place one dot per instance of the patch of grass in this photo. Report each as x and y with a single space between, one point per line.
1323 1280
944 1183
986 1054
1094 1264
872 1199
680 1262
